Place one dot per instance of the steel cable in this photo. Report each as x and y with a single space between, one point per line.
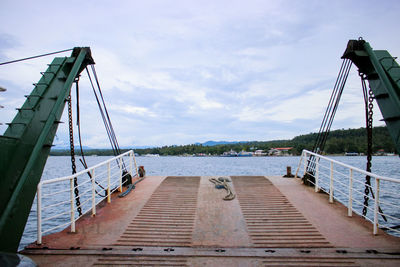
106 111
330 113
33 57
78 123
106 118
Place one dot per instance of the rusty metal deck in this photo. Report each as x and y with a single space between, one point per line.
183 221
168 217
272 221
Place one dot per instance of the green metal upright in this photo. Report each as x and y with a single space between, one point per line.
26 143
383 74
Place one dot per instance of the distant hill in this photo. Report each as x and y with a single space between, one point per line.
339 141
215 143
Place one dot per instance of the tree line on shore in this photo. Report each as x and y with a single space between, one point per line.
338 142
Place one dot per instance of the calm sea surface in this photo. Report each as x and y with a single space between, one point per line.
207 166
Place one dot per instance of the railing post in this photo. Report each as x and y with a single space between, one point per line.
120 175
376 206
72 197
39 214
316 186
298 166
350 204
305 164
131 162
331 185
136 168
93 193
108 183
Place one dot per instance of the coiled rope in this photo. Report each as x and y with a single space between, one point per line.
222 182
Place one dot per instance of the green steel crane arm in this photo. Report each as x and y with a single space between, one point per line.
383 74
26 143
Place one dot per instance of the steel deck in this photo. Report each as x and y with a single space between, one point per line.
183 221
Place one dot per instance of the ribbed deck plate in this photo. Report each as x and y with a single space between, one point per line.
272 221
167 218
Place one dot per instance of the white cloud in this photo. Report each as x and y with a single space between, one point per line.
305 107
139 111
214 65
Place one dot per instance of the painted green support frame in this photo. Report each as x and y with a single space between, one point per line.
26 143
383 74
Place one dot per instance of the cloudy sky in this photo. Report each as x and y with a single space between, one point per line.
179 72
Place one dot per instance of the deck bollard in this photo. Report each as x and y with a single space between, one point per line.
141 171
288 172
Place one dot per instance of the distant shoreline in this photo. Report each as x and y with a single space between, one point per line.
338 143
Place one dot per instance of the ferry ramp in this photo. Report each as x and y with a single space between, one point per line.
184 221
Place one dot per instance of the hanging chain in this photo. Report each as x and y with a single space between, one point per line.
72 149
368 97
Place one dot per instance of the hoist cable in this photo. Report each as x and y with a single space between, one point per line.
338 92
106 119
332 106
336 105
102 114
33 57
329 115
106 111
106 124
83 160
327 111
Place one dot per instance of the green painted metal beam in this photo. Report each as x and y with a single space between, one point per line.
26 144
383 74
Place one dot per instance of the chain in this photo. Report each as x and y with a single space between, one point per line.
72 149
369 97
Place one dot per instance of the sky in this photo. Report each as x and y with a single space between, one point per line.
180 72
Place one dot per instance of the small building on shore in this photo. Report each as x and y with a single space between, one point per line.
259 153
280 151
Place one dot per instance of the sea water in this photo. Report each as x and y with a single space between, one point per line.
58 166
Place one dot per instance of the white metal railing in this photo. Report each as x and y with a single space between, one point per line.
346 184
59 198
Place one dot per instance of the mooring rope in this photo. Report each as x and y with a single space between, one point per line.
222 182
